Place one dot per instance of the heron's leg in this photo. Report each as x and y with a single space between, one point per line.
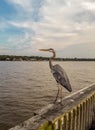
57 92
61 93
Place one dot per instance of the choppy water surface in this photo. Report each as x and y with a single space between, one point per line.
28 86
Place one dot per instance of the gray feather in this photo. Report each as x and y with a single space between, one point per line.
61 77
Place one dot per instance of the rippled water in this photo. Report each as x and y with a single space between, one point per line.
28 86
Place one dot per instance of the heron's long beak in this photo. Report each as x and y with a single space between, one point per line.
43 49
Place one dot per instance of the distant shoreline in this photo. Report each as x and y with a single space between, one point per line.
39 58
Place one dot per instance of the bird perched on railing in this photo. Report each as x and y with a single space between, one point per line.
59 75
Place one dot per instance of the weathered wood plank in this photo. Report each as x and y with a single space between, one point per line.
50 113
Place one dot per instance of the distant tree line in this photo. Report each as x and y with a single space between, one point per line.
39 58
21 58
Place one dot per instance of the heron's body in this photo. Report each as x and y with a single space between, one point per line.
59 74
61 77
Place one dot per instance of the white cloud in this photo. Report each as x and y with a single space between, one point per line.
89 5
27 25
19 42
62 23
23 4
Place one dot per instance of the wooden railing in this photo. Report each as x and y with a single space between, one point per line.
76 113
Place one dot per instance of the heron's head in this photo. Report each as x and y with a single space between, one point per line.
50 50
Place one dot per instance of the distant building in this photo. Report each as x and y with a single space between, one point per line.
14 59
7 59
32 59
20 59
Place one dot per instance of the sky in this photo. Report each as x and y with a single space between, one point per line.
68 26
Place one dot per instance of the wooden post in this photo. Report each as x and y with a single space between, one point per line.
78 117
70 121
66 122
74 119
84 115
77 114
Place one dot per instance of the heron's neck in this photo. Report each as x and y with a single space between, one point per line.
50 60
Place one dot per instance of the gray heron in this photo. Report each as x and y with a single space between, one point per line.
59 75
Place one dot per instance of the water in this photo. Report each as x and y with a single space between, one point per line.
28 86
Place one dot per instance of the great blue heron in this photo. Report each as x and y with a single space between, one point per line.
59 75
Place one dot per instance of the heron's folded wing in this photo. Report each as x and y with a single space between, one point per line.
61 77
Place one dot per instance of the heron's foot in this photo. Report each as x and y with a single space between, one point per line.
57 100
60 101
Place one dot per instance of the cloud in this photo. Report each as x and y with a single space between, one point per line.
81 50
23 4
89 6
27 9
57 24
